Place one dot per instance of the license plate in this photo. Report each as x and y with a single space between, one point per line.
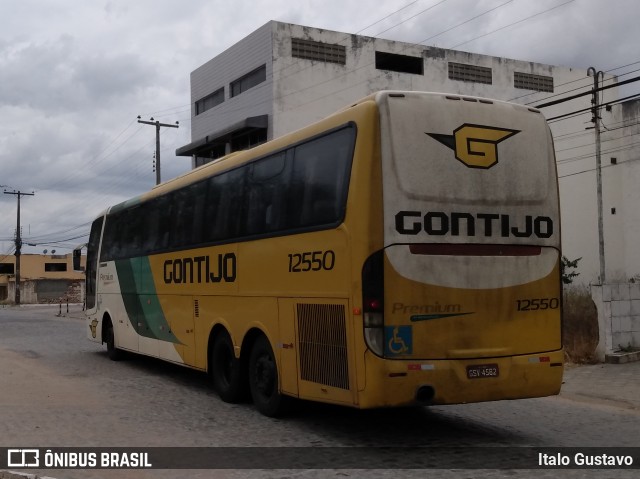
483 371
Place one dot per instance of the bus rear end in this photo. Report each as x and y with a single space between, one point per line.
464 302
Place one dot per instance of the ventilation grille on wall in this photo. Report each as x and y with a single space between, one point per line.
528 81
323 52
196 308
323 344
474 73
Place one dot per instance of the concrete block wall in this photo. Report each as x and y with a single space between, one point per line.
618 316
74 293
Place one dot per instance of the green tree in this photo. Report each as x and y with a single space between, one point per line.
565 266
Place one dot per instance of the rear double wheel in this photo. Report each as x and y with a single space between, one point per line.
226 370
263 380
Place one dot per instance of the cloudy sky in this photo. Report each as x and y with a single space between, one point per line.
75 74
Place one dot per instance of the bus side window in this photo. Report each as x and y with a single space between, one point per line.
130 238
223 207
265 199
187 205
92 262
149 219
320 178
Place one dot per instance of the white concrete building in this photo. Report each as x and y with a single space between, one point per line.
621 192
282 77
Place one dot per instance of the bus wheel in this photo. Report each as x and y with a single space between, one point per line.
114 353
226 370
263 379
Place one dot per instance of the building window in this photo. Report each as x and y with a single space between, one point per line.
7 268
55 267
210 101
248 140
322 52
399 63
249 80
465 72
528 81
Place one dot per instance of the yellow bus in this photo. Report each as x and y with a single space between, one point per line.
403 251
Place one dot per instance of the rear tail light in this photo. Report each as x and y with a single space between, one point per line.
373 302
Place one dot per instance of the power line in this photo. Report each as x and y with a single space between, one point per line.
43 237
593 144
576 134
52 242
465 22
95 158
612 78
512 24
594 169
600 89
612 150
579 112
187 107
333 79
414 16
386 16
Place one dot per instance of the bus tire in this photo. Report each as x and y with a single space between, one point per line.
226 370
114 353
263 379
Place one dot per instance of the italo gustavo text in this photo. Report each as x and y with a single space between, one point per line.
581 459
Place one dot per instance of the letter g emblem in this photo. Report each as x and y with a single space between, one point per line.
475 145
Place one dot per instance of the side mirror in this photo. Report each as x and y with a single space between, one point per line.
77 258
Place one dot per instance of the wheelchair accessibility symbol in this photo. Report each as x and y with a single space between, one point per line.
398 340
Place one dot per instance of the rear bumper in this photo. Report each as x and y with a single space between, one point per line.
391 383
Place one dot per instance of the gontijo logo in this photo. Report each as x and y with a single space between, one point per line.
475 145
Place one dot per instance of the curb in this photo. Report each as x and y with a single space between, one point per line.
621 358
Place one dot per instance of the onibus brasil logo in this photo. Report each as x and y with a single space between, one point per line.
475 145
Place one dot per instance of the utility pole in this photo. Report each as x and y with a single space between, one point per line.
597 75
157 125
18 241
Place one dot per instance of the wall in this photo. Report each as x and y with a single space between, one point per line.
298 92
32 266
38 285
240 59
621 190
49 291
618 316
305 91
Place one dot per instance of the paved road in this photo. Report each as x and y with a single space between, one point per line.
59 389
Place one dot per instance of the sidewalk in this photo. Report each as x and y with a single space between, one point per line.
68 310
614 384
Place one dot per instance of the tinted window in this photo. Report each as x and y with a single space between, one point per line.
300 188
223 208
92 262
186 215
249 80
320 179
123 234
265 198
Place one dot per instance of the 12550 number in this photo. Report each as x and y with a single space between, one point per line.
537 304
312 261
